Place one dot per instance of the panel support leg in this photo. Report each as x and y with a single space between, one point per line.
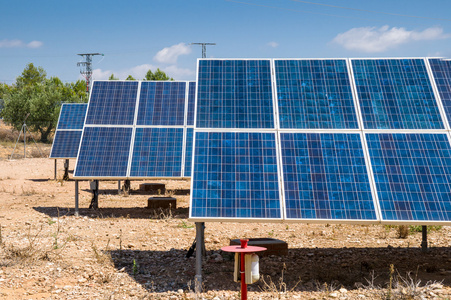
55 169
118 187
200 244
76 198
66 170
424 242
95 194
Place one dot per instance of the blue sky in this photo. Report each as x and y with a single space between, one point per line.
139 35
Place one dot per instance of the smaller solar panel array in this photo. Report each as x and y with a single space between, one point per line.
135 130
321 140
68 131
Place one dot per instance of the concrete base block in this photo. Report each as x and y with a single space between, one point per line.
162 202
153 188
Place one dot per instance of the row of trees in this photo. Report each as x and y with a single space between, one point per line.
40 98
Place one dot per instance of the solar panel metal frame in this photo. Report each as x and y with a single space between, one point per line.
62 130
360 130
437 93
134 126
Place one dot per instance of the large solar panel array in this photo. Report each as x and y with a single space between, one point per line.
135 130
322 140
68 131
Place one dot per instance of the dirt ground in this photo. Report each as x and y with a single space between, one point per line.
126 251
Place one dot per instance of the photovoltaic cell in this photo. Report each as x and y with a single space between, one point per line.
235 176
188 151
234 94
325 177
72 116
162 103
112 103
104 152
441 69
69 130
315 94
395 94
157 152
191 102
413 175
66 143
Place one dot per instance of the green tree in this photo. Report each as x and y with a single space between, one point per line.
40 99
158 75
112 77
31 76
130 77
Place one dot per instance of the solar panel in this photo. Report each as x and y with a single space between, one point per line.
151 118
325 177
104 152
412 172
188 151
234 94
396 94
112 103
157 152
72 116
191 99
235 176
162 103
314 94
68 131
441 70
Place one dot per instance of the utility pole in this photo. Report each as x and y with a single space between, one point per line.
86 67
204 47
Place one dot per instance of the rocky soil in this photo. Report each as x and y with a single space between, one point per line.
126 251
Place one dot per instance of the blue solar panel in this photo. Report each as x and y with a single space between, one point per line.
234 94
396 94
314 94
66 143
413 175
104 152
235 176
188 151
162 103
72 116
112 103
325 177
191 101
441 69
157 152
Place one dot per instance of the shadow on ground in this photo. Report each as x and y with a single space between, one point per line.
309 269
115 212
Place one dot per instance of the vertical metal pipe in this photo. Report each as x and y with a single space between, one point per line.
55 168
76 198
424 242
199 244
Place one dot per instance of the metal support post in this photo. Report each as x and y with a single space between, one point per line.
55 168
118 187
66 170
200 244
95 194
76 198
424 242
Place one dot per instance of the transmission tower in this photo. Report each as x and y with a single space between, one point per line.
86 67
204 47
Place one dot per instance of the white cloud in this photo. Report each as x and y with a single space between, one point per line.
169 55
18 44
273 44
372 39
35 44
